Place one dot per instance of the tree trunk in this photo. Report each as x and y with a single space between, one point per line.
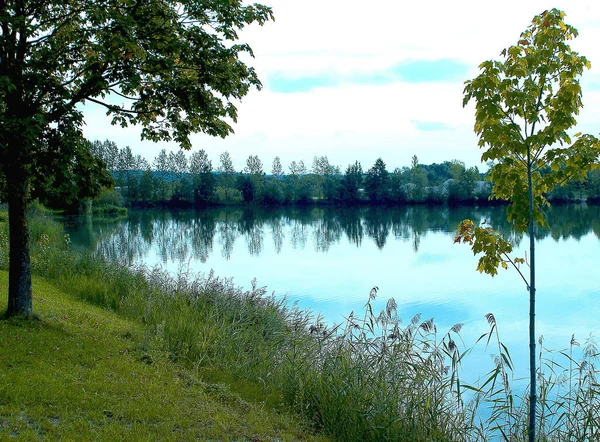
19 276
532 364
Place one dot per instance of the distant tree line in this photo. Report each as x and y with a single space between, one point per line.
177 179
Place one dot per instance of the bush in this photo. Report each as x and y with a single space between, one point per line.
110 198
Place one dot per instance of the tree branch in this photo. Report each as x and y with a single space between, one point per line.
117 109
510 118
111 88
515 267
537 111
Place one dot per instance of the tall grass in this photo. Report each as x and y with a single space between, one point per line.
370 378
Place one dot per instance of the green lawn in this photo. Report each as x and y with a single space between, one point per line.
78 373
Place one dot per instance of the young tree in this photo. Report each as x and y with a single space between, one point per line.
254 172
124 166
298 189
377 182
277 169
351 183
177 163
298 168
323 170
274 189
178 166
418 178
463 184
161 166
140 163
227 174
525 105
225 163
107 151
174 65
204 181
321 165
254 166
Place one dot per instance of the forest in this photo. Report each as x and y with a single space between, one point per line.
174 179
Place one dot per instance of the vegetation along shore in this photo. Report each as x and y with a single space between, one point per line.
244 353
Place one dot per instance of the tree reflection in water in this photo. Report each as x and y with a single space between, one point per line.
179 236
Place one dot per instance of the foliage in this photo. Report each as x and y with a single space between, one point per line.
524 107
68 184
277 169
351 183
226 175
450 182
175 66
462 186
297 168
107 151
147 186
377 182
253 166
418 179
225 163
272 193
246 185
107 200
204 181
492 245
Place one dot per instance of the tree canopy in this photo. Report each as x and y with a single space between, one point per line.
525 106
171 67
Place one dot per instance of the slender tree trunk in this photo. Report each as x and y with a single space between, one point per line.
532 363
19 275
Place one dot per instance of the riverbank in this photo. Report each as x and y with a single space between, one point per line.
263 350
371 378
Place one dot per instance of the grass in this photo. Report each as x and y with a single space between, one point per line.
109 209
372 378
80 372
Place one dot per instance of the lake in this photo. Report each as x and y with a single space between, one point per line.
328 260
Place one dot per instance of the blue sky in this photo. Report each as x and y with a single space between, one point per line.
357 81
408 71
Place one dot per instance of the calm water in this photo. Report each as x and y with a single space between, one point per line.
328 260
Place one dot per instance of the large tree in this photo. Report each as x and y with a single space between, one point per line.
171 67
525 106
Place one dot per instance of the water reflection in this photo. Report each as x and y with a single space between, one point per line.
328 260
179 236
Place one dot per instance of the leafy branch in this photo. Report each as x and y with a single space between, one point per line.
494 247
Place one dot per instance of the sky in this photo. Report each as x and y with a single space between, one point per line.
356 81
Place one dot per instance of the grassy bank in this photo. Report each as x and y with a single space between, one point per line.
372 378
79 372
